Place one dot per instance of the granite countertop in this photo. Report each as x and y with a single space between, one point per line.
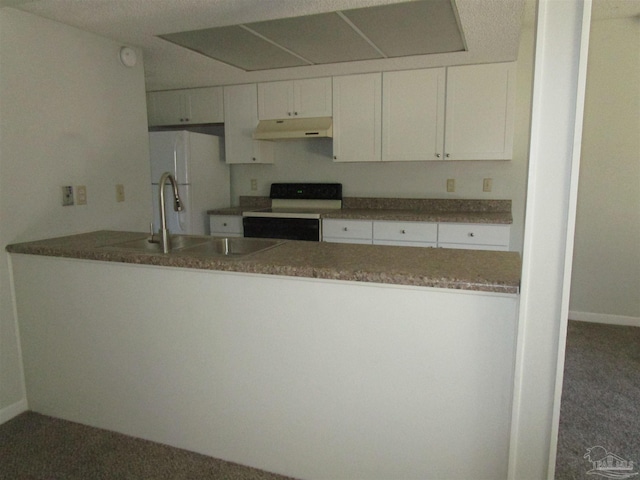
476 270
400 209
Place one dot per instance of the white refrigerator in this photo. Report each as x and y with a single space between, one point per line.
197 163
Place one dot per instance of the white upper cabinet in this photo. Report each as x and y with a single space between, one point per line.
479 112
295 98
357 121
241 119
413 115
185 107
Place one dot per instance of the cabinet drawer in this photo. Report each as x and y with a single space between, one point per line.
225 224
474 234
347 229
405 231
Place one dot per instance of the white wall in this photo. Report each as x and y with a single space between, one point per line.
398 382
70 114
311 160
606 270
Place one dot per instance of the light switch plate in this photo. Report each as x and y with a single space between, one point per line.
67 196
487 184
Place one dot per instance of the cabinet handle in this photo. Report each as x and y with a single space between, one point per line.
335 157
438 155
447 155
295 114
224 224
471 234
344 229
403 231
253 159
289 113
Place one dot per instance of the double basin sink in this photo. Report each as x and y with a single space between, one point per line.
200 245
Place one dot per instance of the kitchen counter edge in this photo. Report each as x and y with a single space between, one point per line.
503 218
476 270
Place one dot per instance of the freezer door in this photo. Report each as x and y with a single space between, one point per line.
168 152
178 223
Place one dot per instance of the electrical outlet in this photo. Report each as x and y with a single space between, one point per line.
119 193
81 195
254 184
451 184
487 184
67 196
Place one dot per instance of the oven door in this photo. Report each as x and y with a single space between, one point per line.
285 228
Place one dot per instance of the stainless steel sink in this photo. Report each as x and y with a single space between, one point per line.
178 242
199 245
232 246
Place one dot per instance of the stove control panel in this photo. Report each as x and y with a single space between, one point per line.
306 191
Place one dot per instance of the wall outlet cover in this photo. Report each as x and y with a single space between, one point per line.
81 195
119 193
451 185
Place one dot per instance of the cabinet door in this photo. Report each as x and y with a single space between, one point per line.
357 123
312 97
275 100
347 231
405 233
474 236
165 108
226 225
480 109
241 119
413 115
205 105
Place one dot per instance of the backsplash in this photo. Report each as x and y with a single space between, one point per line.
426 204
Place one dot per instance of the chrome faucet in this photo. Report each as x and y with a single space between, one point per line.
165 238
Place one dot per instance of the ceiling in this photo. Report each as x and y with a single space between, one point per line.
452 32
386 31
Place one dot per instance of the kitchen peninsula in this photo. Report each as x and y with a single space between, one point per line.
310 359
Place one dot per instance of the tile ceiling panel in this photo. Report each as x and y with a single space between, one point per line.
235 46
323 38
416 27
412 28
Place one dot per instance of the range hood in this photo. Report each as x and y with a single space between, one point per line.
294 128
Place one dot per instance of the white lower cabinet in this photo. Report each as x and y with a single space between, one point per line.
474 236
226 225
347 231
470 236
408 234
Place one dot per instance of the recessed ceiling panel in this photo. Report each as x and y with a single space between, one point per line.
236 46
417 27
410 28
323 38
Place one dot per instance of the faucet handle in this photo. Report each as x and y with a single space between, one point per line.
152 237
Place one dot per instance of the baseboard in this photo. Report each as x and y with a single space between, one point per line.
13 410
605 318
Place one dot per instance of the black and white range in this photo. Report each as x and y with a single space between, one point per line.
295 213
